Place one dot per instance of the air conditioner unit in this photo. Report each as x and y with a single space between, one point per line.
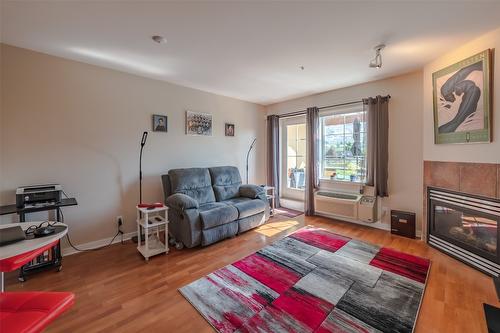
338 204
367 209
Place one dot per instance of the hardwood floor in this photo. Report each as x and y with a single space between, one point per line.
116 290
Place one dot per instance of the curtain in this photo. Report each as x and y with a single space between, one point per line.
312 158
273 156
378 143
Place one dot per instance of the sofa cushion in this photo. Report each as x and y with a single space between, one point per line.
32 311
226 182
194 182
210 236
251 191
216 213
235 201
250 222
248 207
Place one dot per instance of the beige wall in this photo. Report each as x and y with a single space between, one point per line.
480 152
1 131
80 125
405 133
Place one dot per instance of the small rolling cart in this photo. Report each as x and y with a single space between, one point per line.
153 221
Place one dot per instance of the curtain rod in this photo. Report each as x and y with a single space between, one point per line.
302 112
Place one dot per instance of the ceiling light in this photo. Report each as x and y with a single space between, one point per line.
159 39
377 61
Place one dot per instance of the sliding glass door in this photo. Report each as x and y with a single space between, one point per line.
293 157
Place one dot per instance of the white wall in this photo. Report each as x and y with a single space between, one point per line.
479 152
80 125
405 133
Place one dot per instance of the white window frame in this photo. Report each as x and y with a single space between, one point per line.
330 112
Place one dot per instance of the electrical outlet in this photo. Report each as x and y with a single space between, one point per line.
119 221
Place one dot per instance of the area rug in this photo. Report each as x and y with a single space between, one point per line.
287 212
314 281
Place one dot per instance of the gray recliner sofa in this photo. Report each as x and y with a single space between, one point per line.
210 204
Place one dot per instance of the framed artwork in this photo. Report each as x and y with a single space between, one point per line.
198 123
462 101
159 123
229 129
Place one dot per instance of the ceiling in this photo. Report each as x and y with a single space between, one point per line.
249 50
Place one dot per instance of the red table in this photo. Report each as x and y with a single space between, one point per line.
29 311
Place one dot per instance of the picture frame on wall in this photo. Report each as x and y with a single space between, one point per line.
462 101
198 123
229 129
160 123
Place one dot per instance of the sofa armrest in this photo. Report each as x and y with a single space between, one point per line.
251 191
181 202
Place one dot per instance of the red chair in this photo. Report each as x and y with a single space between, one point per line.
30 311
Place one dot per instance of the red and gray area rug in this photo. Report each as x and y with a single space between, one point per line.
287 212
314 281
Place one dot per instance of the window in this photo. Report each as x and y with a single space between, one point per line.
296 155
343 146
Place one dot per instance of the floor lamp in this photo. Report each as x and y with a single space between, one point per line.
248 154
143 143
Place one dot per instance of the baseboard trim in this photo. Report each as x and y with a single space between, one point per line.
67 251
292 204
377 225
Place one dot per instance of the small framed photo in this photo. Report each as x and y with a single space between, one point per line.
159 123
229 129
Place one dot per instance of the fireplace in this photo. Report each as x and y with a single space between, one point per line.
466 227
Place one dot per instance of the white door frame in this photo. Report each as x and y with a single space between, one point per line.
294 194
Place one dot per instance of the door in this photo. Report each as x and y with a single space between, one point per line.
293 157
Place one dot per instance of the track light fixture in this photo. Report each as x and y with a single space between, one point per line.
377 61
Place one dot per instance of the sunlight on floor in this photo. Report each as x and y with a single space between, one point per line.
273 228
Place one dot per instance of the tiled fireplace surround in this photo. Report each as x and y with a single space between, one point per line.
473 178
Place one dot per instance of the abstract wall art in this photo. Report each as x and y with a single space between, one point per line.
462 101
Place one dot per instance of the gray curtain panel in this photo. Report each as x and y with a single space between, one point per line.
378 143
273 156
312 158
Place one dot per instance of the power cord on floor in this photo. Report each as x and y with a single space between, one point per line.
93 249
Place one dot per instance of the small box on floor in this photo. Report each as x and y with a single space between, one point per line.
403 223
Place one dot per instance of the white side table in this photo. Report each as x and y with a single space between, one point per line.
271 194
152 221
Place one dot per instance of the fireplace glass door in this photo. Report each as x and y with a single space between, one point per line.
473 231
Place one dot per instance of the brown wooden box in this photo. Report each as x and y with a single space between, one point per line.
403 223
